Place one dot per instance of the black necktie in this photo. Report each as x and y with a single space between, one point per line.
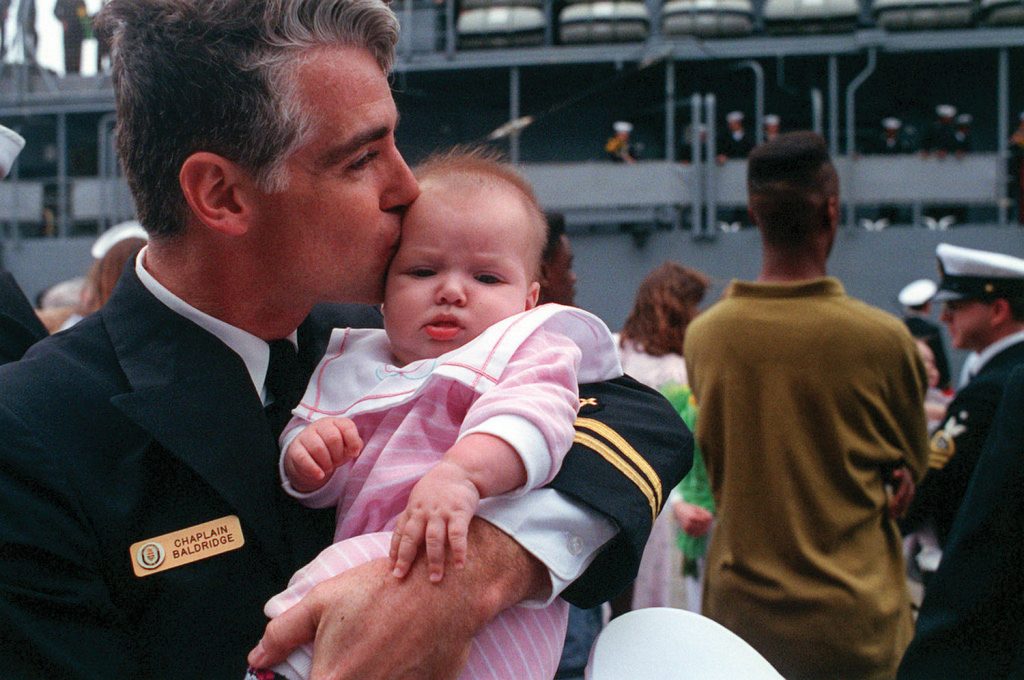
285 384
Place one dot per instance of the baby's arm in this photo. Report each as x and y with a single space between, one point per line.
322 446
516 435
442 504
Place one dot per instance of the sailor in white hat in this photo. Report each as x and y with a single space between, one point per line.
962 134
916 300
772 126
940 137
918 294
736 143
892 140
618 147
983 296
981 275
11 144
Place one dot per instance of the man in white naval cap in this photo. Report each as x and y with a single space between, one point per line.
736 142
983 296
19 326
940 138
916 300
940 141
618 147
962 134
892 141
772 127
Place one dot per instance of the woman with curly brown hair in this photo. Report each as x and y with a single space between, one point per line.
651 341
651 350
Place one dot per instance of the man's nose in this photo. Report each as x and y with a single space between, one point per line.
402 188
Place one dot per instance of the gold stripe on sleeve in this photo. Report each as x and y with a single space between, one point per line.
612 457
624 448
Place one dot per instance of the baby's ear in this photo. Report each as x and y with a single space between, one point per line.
532 294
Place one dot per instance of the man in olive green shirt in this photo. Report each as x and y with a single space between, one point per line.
809 400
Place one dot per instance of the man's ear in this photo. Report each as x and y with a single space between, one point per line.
832 208
218 191
1001 313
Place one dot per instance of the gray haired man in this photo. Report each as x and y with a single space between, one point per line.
144 521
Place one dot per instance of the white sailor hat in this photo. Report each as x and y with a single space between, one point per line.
733 116
964 119
945 111
772 119
978 274
891 123
11 144
917 293
116 234
622 126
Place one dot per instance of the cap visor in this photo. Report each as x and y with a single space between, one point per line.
944 295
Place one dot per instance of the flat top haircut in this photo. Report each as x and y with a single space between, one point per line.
789 182
464 167
219 76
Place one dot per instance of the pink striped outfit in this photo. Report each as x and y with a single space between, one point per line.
517 380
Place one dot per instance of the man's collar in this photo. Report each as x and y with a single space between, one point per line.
255 352
995 348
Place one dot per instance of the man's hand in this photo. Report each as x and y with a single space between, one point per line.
319 450
440 508
369 625
902 493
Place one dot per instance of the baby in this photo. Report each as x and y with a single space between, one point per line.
466 394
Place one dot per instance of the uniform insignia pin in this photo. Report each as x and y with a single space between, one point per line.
150 555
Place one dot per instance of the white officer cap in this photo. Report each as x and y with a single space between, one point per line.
891 123
11 144
964 119
945 111
978 274
772 119
917 293
733 116
622 126
116 234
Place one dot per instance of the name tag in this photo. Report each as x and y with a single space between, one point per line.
153 555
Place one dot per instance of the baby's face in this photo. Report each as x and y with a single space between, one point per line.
462 265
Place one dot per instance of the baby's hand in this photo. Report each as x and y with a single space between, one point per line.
440 508
319 449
